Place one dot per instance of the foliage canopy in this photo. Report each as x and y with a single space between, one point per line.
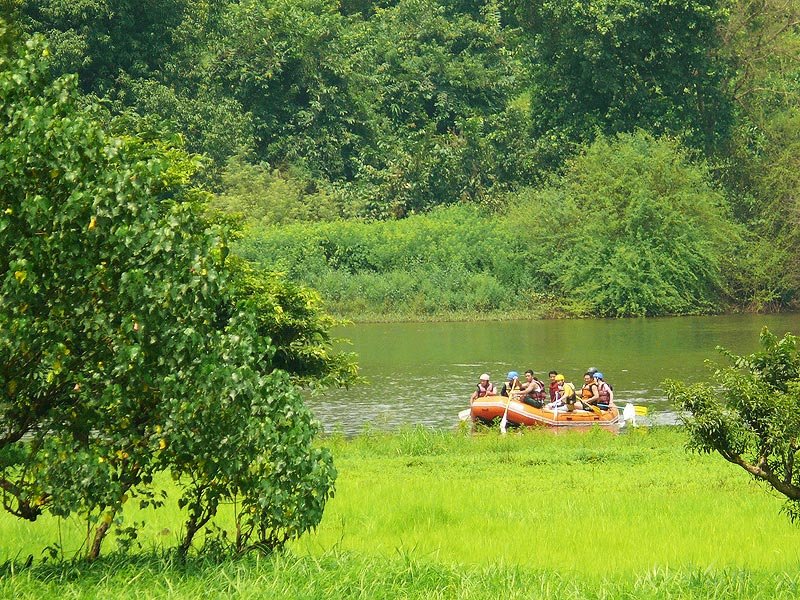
613 66
315 109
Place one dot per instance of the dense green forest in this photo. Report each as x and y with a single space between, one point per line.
461 157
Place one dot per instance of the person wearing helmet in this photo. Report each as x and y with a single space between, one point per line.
484 388
566 392
590 390
605 391
512 384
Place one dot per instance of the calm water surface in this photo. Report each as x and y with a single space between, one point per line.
424 373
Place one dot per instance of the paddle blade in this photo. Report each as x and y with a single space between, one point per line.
504 423
635 409
465 414
629 412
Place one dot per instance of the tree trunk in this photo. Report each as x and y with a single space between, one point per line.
99 536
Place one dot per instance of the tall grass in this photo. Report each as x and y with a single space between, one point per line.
457 259
345 575
593 501
632 228
432 514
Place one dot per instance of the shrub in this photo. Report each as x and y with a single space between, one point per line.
635 229
748 414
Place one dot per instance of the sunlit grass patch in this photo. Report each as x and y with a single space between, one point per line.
433 514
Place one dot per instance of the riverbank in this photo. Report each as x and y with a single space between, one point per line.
421 513
464 261
455 316
541 312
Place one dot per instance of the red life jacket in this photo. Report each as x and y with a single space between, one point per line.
604 392
483 390
539 395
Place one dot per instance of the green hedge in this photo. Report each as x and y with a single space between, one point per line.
459 258
633 228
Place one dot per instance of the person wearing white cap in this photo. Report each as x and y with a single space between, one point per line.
485 388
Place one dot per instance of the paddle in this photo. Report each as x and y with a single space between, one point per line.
463 415
593 407
640 410
555 408
504 420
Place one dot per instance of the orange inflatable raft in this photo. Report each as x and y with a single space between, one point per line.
489 408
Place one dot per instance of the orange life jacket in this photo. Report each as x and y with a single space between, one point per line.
586 390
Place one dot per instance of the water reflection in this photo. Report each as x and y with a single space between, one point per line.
423 373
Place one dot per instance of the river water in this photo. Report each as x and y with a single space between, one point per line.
424 373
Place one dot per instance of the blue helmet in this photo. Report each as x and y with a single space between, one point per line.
513 375
598 375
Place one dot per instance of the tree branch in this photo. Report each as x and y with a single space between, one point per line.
24 509
787 489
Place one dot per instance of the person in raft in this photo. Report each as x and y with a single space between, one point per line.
485 388
512 384
533 390
605 391
590 392
566 392
554 391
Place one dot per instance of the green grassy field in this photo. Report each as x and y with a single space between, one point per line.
421 514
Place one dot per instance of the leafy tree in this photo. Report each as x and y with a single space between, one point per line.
124 351
401 111
634 229
759 40
434 68
100 39
761 43
424 169
211 122
291 315
442 86
396 108
614 66
292 66
151 56
749 414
